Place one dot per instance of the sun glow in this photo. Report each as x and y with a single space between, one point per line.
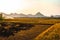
12 5
46 7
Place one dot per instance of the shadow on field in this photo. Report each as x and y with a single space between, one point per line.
8 29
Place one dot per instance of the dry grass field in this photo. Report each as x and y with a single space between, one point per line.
52 33
34 20
34 33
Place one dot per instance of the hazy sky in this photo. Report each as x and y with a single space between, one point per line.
46 7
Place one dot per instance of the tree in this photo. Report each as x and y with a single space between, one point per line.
1 18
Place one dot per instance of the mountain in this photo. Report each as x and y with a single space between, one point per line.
22 15
18 15
30 15
15 15
38 14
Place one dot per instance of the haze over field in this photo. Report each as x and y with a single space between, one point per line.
46 7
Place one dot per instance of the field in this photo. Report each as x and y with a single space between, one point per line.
52 33
34 20
29 28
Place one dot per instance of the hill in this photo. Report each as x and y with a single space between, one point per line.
52 33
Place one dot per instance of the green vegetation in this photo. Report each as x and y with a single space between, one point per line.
1 18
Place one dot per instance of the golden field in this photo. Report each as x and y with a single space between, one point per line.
38 31
52 33
34 20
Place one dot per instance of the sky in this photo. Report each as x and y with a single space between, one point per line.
46 7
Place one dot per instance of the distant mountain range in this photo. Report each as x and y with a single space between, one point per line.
15 15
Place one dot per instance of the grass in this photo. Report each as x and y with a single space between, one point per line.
41 24
34 20
52 33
